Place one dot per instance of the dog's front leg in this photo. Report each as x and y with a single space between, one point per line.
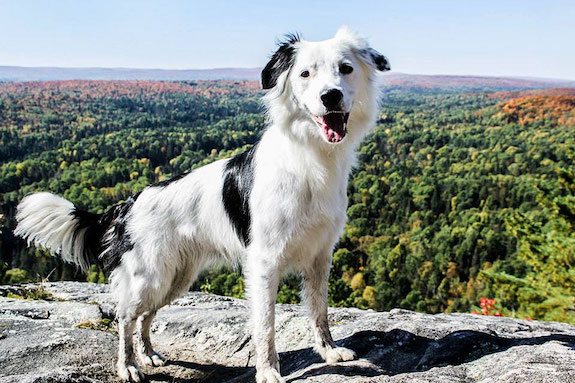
315 279
262 279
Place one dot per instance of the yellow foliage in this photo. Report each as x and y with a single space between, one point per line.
357 282
454 203
20 168
347 275
425 269
451 270
370 296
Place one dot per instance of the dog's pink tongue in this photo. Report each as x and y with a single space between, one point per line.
334 126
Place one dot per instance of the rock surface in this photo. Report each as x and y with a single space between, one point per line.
205 339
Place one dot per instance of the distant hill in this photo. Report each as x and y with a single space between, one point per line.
14 73
470 82
393 79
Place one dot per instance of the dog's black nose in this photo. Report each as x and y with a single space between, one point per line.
331 98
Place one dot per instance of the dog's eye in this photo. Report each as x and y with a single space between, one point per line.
304 74
345 69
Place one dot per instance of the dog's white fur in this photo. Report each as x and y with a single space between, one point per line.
297 202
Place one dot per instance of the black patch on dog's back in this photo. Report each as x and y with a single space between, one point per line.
119 242
89 224
280 61
104 249
238 182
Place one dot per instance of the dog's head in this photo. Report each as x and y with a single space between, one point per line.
324 86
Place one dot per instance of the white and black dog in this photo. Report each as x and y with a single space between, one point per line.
278 207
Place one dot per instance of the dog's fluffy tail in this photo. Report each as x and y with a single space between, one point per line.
52 222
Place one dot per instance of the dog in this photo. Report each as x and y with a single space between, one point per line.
278 207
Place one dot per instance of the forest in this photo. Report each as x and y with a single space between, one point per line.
459 197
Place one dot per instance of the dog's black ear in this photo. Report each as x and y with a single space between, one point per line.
281 61
379 61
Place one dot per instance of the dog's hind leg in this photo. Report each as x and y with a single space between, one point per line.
144 349
127 368
132 302
315 279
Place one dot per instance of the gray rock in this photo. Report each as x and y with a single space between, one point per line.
56 376
205 338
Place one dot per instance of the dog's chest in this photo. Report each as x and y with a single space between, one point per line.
318 222
299 197
295 205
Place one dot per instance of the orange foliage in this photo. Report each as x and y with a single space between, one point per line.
487 307
534 92
89 89
558 109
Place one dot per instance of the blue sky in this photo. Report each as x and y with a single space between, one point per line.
515 38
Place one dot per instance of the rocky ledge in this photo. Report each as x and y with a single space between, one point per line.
71 338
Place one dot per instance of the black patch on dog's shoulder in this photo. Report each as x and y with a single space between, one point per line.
238 182
280 61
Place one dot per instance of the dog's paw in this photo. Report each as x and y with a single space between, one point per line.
152 359
339 354
130 373
269 375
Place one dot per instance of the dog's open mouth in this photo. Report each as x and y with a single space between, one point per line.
333 124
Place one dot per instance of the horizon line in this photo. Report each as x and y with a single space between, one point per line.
528 77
